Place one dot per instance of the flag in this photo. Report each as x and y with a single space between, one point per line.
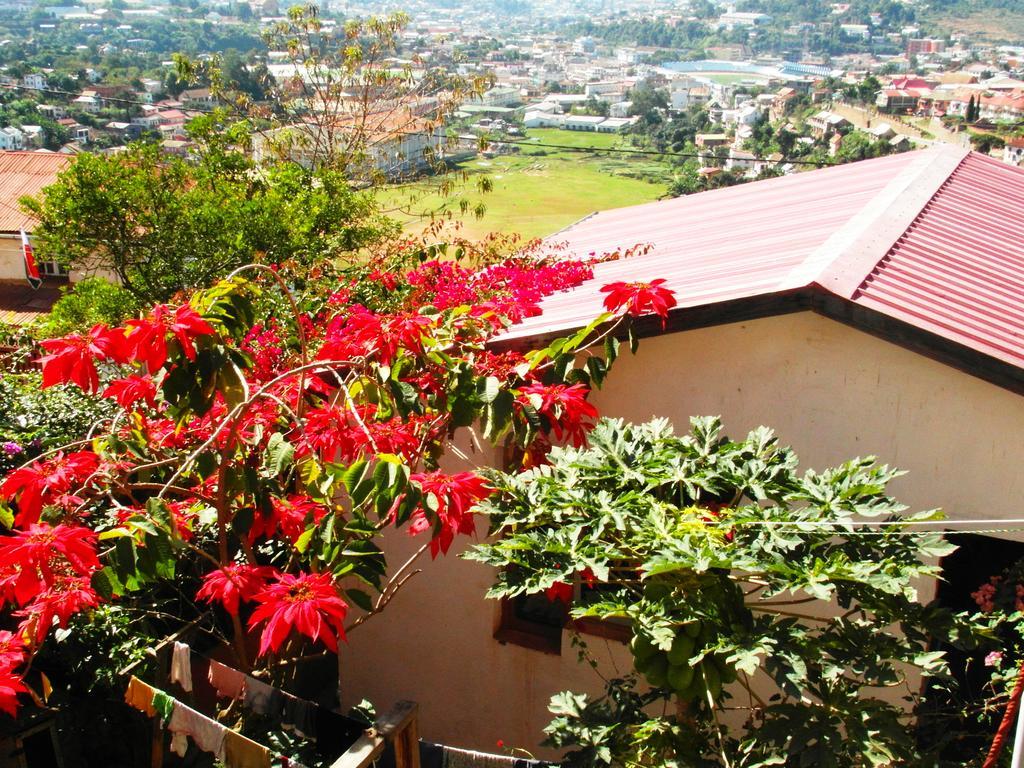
31 270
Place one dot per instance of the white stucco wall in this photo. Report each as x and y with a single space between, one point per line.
12 264
831 392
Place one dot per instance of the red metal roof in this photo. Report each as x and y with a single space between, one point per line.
933 238
24 173
958 270
724 244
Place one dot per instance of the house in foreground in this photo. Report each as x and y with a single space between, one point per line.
21 174
873 308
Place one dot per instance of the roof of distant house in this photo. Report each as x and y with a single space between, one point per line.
24 173
922 248
20 304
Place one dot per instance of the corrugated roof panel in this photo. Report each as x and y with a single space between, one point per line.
958 270
25 173
720 245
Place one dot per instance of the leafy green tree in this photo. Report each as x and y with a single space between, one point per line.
164 224
746 583
86 303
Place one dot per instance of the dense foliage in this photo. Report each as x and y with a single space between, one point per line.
257 442
775 623
164 224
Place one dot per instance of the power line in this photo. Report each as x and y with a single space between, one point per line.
518 142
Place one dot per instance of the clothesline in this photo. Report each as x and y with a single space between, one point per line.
229 746
333 733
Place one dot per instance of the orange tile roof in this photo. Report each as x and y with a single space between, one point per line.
20 305
24 173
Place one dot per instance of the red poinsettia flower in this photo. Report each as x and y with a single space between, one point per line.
45 482
10 686
565 408
308 604
147 338
67 596
72 358
454 497
32 556
234 583
131 390
12 650
640 298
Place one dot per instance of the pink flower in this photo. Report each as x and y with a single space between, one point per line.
993 659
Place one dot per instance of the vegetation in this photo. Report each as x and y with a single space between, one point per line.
165 224
86 303
747 584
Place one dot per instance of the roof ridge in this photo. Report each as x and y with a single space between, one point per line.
847 257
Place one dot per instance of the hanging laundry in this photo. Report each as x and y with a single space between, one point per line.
140 696
164 705
240 752
467 758
179 743
207 733
181 666
227 681
300 715
262 698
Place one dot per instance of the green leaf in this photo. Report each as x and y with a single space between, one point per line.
360 598
278 455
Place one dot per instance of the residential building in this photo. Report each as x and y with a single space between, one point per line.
925 46
862 309
733 19
198 97
21 174
11 138
1013 150
825 123
52 111
35 81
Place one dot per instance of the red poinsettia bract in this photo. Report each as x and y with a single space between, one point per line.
131 390
454 499
307 603
10 687
30 558
234 583
640 298
67 596
72 358
45 482
147 338
565 407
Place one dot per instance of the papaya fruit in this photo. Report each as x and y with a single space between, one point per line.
682 649
643 649
657 672
680 676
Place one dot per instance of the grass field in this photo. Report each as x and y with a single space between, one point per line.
540 191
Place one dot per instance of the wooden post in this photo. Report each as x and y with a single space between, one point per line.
397 726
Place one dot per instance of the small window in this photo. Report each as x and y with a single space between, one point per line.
52 269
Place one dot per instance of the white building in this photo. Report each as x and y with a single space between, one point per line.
11 138
35 81
733 19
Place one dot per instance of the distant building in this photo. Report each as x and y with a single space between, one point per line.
1013 150
11 139
925 45
35 81
733 19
